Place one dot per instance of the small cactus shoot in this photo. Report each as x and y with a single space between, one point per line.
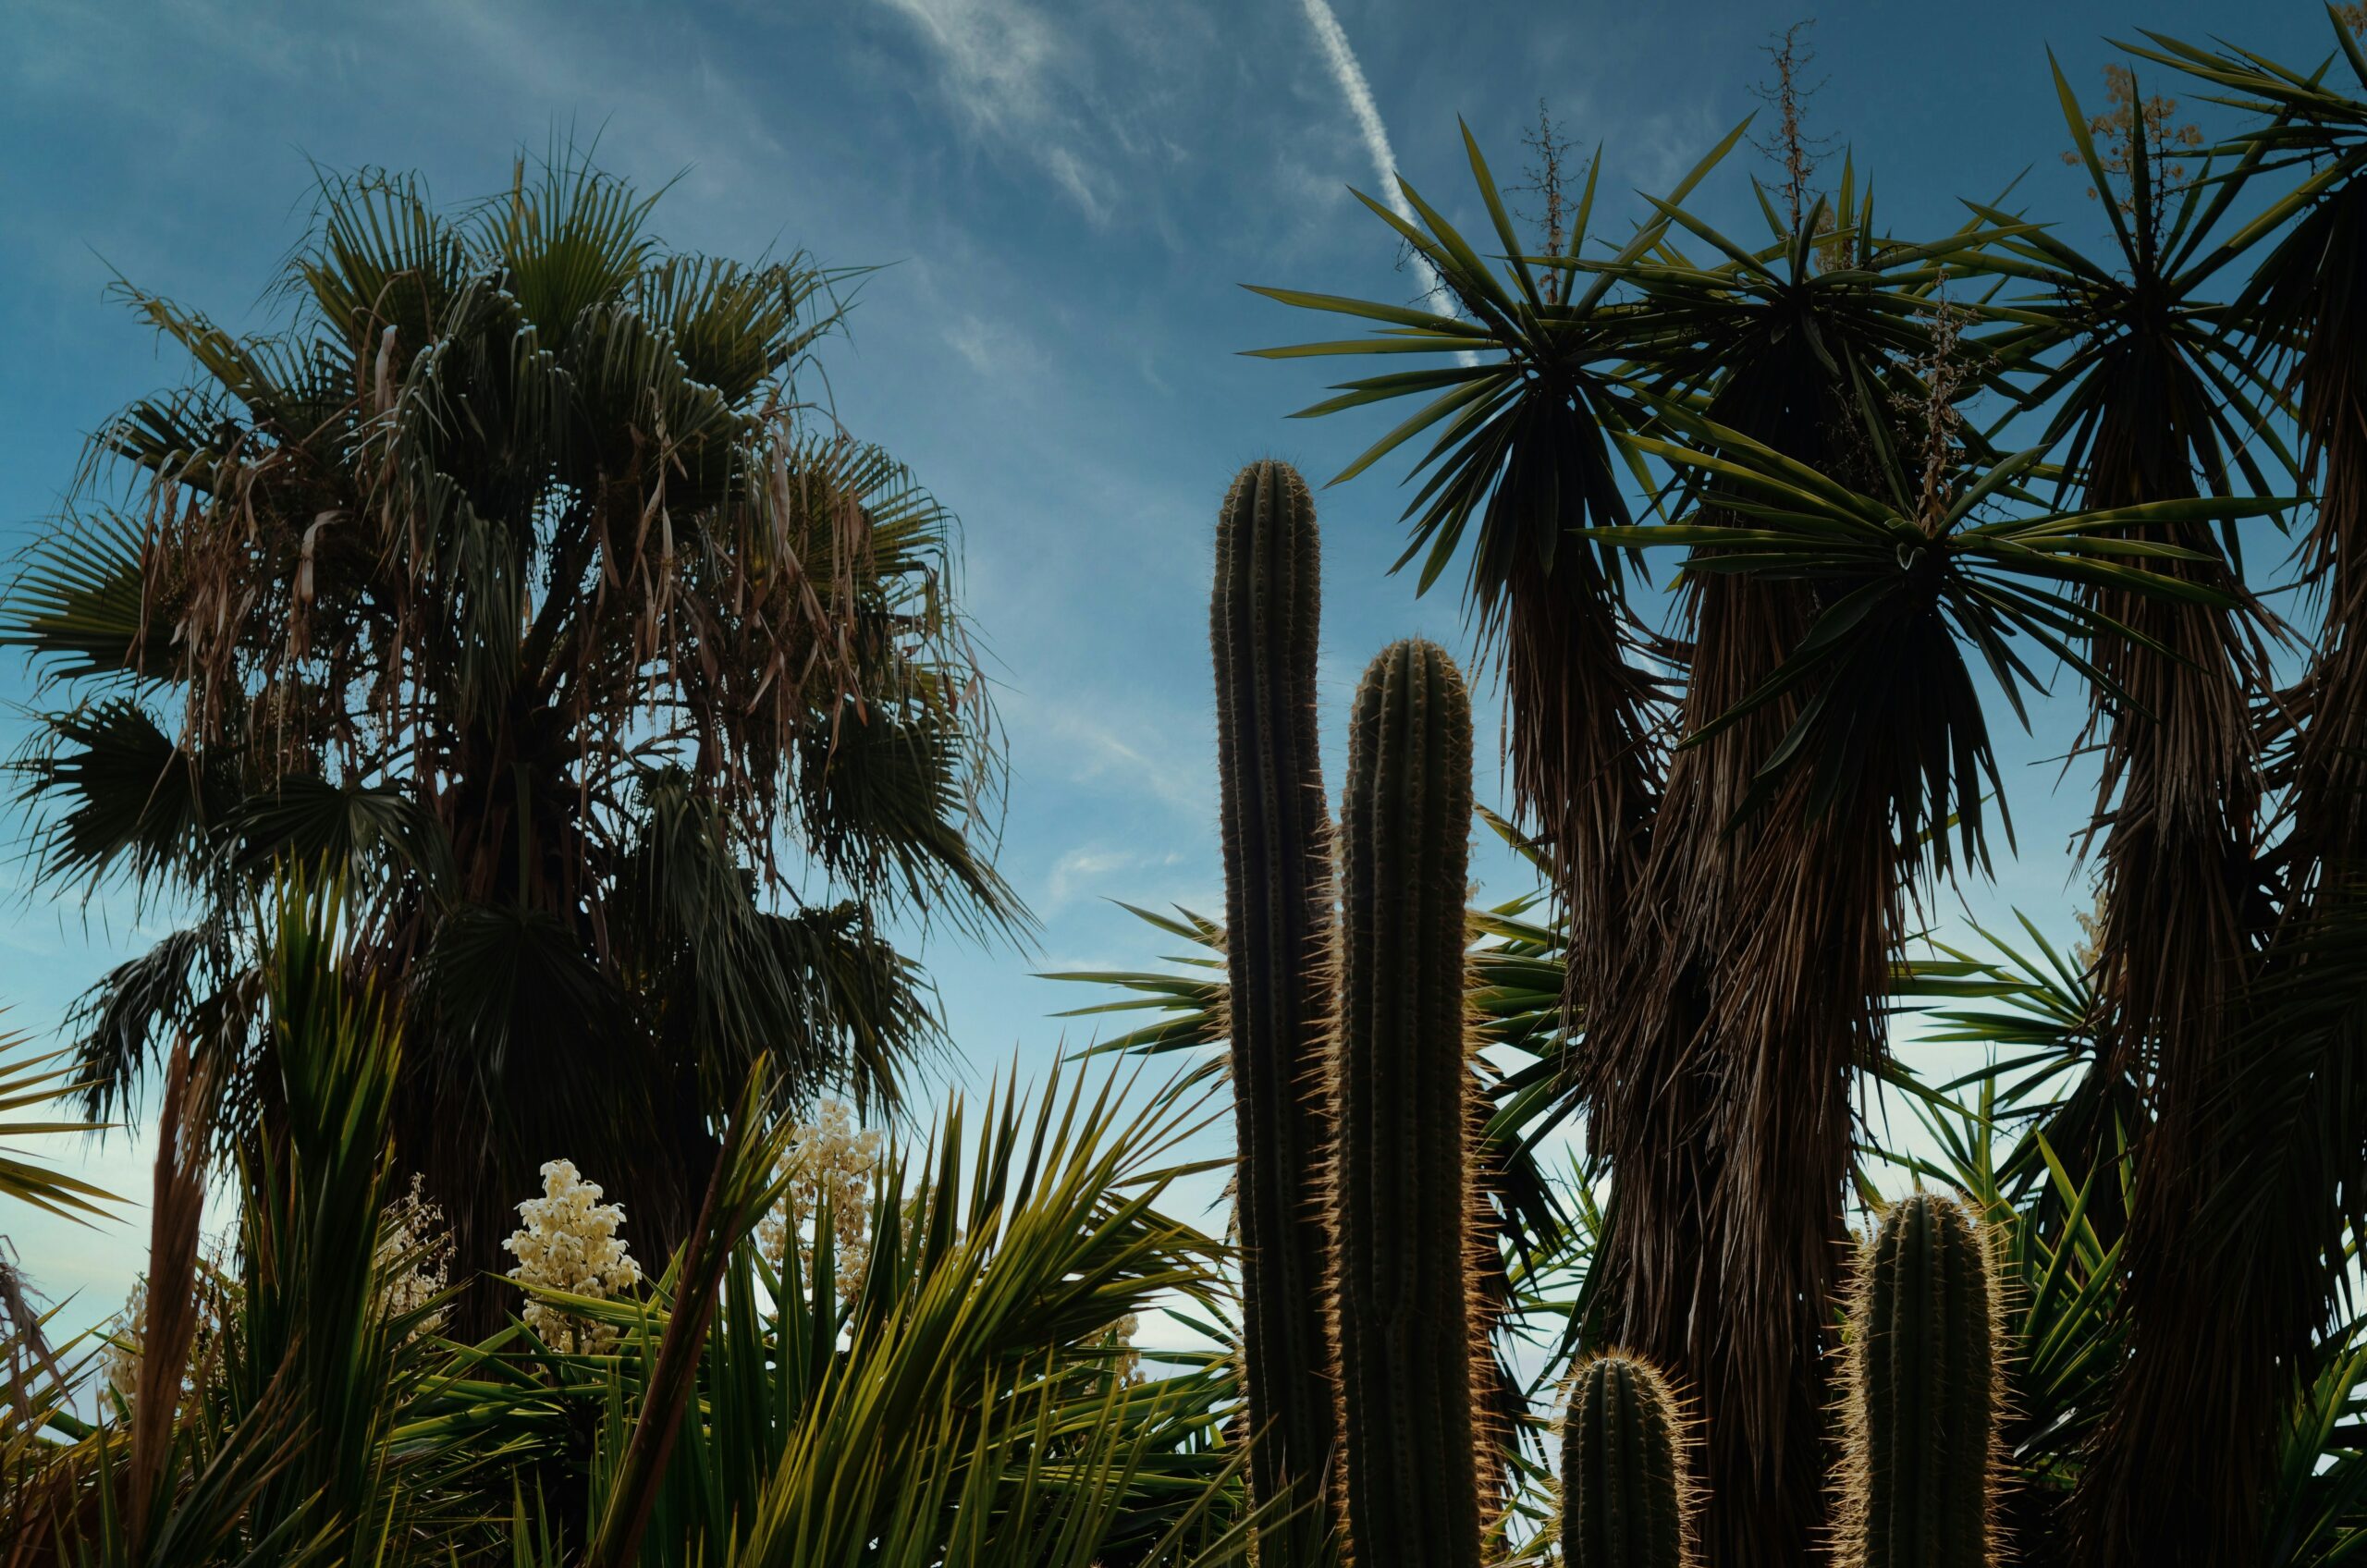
1625 1491
1921 1376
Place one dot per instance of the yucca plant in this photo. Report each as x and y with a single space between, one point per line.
964 1402
512 573
2150 397
2262 1261
1851 542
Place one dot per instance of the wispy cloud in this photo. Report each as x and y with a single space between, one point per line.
1007 72
1137 751
1080 870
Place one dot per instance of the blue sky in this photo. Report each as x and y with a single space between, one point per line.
1070 195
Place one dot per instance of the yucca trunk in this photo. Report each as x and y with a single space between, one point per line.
2185 1456
1724 1055
1581 718
2329 788
1584 765
2227 1297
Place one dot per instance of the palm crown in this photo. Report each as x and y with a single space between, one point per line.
627 693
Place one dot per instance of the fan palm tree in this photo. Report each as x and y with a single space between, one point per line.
627 693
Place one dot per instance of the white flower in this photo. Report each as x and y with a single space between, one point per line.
415 1258
1127 1365
125 1337
833 1160
569 1242
220 1299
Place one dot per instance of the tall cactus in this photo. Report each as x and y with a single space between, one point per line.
1918 1479
1399 1193
1278 914
1626 1497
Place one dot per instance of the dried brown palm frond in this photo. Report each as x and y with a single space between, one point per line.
2267 1249
2159 401
174 1305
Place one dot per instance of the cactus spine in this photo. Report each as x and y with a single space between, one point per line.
1921 1373
1278 914
1399 1194
1625 1499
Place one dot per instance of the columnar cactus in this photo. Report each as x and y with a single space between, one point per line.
1278 914
1922 1377
1399 1195
1626 1498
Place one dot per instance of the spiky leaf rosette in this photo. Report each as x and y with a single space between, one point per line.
1918 1482
1626 1497
1400 1199
1278 906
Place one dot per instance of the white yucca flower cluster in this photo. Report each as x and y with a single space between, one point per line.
414 1262
415 1258
569 1242
125 1337
831 1161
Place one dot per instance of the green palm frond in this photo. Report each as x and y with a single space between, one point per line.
2319 1514
29 1081
1879 680
966 1374
1513 988
79 606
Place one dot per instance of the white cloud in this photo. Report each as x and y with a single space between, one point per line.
1080 870
1332 39
994 348
1012 74
999 56
1142 754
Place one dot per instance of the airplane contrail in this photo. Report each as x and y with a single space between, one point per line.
1333 40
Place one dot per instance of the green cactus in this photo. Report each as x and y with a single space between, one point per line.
1278 913
1625 1499
1919 1474
1399 1194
